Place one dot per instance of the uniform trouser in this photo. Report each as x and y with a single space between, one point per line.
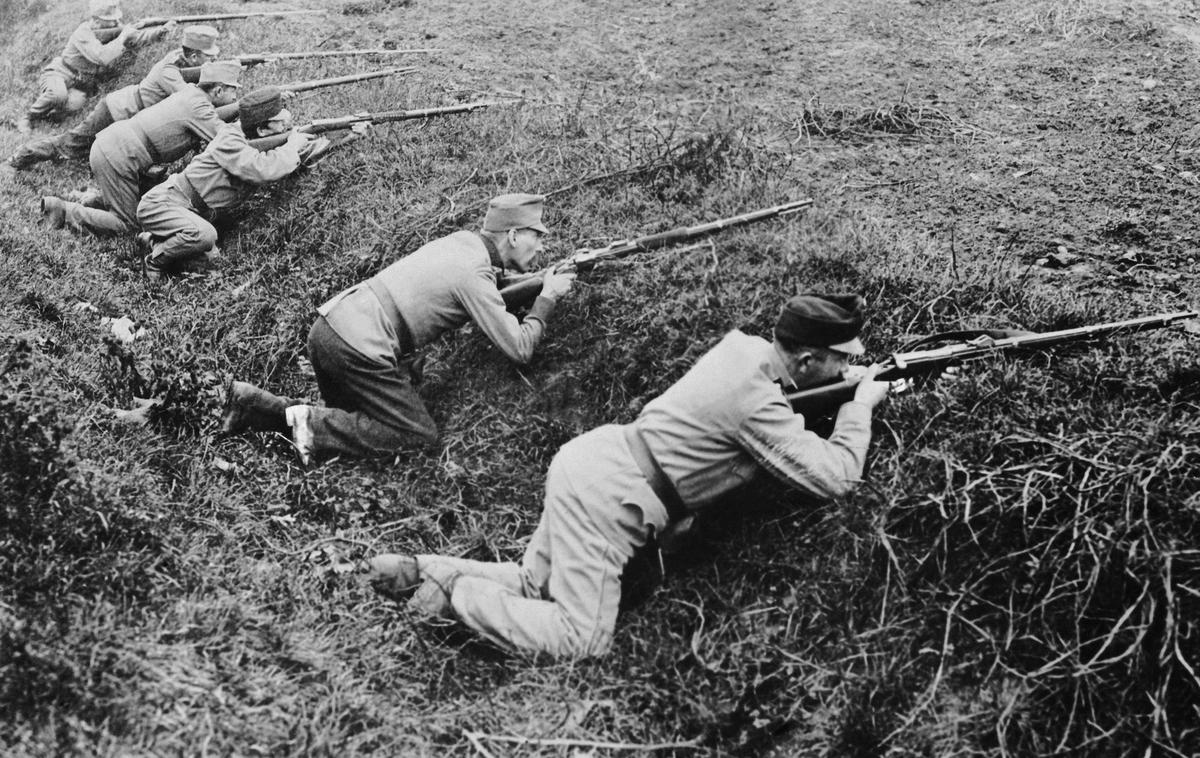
75 143
180 233
563 598
52 94
371 407
118 181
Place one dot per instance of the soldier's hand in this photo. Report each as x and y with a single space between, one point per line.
299 140
361 128
556 285
170 27
289 95
870 391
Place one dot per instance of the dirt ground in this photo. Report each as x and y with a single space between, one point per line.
1042 146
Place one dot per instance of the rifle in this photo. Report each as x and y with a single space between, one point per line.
252 59
320 126
525 289
109 34
917 360
334 81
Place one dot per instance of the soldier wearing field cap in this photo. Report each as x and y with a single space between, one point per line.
609 490
85 59
162 133
166 77
172 214
365 338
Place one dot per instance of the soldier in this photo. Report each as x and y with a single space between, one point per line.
609 490
199 46
215 180
365 338
162 133
85 59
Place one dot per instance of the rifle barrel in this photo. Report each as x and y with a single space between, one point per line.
333 54
346 79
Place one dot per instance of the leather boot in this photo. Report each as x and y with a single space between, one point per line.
250 409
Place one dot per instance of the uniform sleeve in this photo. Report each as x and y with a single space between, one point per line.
517 339
777 439
205 123
144 36
85 41
256 166
170 78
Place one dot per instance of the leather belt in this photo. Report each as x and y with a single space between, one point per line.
394 315
655 477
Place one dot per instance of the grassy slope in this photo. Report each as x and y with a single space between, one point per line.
1015 575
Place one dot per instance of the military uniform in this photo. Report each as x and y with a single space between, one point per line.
364 339
164 79
710 432
160 134
216 179
83 60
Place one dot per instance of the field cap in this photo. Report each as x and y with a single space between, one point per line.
260 106
517 211
105 10
220 72
829 321
201 37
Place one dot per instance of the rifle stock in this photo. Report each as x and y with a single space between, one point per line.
526 290
822 400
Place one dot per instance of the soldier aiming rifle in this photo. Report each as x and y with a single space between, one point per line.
153 22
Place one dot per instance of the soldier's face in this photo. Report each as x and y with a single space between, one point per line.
280 123
815 367
222 94
525 247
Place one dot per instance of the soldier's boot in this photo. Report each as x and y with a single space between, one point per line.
250 409
394 576
54 212
89 197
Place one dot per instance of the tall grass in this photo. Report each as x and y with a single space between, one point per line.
1016 576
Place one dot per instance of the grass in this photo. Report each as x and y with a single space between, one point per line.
1017 575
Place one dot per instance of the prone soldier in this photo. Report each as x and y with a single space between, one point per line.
84 60
198 46
611 489
162 133
366 338
170 213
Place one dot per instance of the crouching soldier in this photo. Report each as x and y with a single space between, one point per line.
170 214
199 46
608 490
365 338
163 133
84 59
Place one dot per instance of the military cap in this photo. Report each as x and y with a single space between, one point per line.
260 106
220 72
517 211
105 10
829 321
201 37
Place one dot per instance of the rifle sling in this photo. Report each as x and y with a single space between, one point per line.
662 487
492 251
194 197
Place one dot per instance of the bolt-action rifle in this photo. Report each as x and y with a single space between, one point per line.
252 59
929 356
335 81
323 125
524 290
111 33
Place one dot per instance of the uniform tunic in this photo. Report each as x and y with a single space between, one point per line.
160 134
362 342
83 60
217 178
725 419
163 80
